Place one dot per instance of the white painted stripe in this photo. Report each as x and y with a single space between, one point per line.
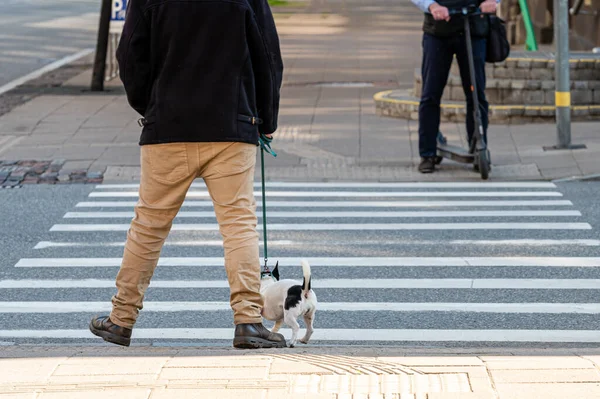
542 284
367 185
524 242
334 262
339 335
208 243
503 308
8 142
343 227
48 68
355 214
517 284
218 243
350 204
359 194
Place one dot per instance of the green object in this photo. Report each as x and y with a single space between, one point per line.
265 145
530 42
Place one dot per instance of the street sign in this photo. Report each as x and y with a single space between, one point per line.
118 10
117 16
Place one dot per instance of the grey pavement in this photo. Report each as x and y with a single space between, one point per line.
337 54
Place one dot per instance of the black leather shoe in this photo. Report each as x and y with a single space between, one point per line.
101 326
256 336
427 165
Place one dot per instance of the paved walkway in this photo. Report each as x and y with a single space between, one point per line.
338 54
307 373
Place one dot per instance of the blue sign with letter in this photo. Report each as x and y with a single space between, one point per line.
118 10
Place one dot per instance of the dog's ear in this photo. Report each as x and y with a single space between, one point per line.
275 272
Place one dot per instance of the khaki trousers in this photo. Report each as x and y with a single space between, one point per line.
168 171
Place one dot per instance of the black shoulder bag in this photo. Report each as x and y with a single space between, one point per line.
498 47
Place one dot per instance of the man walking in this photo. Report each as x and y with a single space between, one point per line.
205 75
443 38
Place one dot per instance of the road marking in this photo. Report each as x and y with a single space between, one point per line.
48 68
342 227
359 194
352 214
55 307
516 284
282 243
540 185
350 204
8 142
208 243
344 335
334 262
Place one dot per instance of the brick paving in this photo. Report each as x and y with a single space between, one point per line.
17 173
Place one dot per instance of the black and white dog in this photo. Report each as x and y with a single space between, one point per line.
286 300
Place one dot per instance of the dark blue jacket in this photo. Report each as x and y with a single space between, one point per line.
201 70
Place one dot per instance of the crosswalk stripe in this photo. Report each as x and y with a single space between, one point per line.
350 204
341 335
284 243
335 262
360 194
342 227
528 185
172 306
508 284
168 243
324 215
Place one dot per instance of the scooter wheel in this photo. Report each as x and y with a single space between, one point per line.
438 160
484 164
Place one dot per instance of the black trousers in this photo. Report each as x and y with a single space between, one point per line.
438 53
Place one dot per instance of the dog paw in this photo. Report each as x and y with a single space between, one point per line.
292 344
303 341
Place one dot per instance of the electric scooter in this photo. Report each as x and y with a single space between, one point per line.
478 153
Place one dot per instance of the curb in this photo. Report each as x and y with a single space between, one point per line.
395 103
577 178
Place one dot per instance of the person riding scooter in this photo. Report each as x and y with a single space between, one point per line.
443 38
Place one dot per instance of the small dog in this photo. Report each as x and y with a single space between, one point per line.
286 300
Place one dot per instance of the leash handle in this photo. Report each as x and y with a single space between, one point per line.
265 145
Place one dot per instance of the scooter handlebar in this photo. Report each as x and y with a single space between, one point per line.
467 11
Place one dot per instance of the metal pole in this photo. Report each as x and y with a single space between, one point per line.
563 82
102 46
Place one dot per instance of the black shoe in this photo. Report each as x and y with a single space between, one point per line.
109 331
256 336
427 165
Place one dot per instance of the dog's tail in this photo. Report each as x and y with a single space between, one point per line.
306 283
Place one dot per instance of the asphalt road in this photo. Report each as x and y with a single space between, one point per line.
532 278
34 33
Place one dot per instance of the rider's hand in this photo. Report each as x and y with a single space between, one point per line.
439 12
488 6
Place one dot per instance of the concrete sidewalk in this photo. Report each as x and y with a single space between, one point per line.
310 372
338 54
